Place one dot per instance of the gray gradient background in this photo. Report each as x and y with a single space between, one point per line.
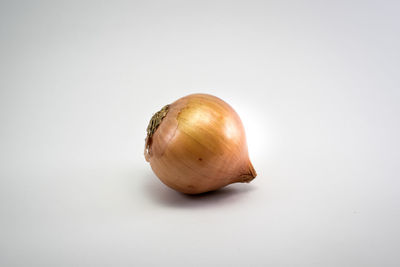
316 83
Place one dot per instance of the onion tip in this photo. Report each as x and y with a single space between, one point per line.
249 176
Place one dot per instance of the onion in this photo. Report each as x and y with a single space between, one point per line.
197 144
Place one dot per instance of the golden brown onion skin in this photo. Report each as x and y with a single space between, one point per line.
199 146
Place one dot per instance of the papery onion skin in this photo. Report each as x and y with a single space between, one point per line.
199 145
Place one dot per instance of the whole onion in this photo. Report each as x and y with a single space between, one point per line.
197 144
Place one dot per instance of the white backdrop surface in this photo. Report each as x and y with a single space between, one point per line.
316 84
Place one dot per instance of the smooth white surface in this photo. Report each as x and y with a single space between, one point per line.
316 84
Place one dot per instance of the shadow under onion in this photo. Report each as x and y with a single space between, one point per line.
163 195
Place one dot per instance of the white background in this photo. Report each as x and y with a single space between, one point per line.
316 84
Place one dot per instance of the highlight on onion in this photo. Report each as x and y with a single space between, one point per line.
197 144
